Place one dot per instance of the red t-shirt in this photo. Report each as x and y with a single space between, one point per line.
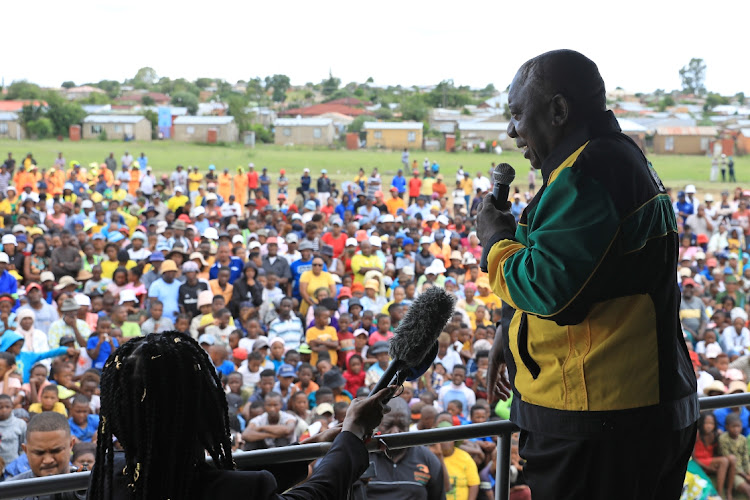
261 203
377 337
414 184
354 382
338 244
346 345
252 180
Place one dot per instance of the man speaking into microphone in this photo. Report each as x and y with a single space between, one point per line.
603 388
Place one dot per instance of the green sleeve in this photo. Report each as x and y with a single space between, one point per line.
572 229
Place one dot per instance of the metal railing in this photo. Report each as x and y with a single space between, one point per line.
502 429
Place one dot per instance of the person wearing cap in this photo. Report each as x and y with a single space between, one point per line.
365 261
8 283
69 324
191 288
178 200
65 259
692 311
166 289
700 222
598 243
335 237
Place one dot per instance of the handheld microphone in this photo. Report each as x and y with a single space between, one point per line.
414 344
502 177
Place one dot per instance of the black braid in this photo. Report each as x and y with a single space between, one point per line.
163 400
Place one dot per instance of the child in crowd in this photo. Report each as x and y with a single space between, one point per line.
306 383
156 323
101 344
354 374
49 401
276 356
322 337
250 370
733 443
383 332
83 425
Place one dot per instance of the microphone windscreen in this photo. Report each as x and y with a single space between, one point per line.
503 174
417 332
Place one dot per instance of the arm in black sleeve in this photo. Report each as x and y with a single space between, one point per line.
343 464
436 484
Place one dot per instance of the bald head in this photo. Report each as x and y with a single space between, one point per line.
570 74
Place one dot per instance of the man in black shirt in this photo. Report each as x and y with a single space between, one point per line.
411 473
10 164
188 295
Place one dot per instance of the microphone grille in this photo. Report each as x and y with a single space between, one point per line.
503 174
421 326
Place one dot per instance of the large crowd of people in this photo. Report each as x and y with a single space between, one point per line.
294 288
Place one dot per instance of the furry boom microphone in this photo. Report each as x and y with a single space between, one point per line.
414 344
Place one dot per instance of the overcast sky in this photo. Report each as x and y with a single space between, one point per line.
639 45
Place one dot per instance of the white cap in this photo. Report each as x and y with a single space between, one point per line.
307 170
87 204
83 300
351 242
9 239
19 228
4 259
425 240
438 265
237 238
690 189
375 241
292 238
211 233
442 219
253 245
429 218
251 164
431 270
198 211
127 296
387 218
712 350
178 189
211 196
296 216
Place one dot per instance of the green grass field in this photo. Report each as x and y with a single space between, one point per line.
342 165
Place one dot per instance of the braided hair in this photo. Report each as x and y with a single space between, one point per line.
162 399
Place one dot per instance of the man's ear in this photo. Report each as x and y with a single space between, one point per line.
23 447
559 110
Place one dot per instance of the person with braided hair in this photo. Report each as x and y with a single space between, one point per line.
162 400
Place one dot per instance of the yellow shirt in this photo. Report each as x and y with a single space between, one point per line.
5 208
119 195
176 202
194 180
426 188
491 301
58 408
467 186
109 267
462 473
327 333
359 261
325 280
394 204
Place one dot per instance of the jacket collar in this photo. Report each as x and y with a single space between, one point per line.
601 124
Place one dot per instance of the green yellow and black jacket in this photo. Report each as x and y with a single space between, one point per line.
594 345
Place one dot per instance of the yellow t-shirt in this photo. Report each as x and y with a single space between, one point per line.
359 261
462 473
467 186
176 202
327 333
325 280
394 204
58 408
109 267
119 195
5 208
426 188
491 301
194 180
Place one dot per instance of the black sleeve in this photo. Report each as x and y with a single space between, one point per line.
343 464
257 294
436 484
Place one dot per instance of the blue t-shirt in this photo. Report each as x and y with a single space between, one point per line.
235 270
721 417
104 351
226 368
87 433
399 183
168 294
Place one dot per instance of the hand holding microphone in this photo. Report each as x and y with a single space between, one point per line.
494 213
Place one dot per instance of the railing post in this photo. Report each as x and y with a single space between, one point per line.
502 467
